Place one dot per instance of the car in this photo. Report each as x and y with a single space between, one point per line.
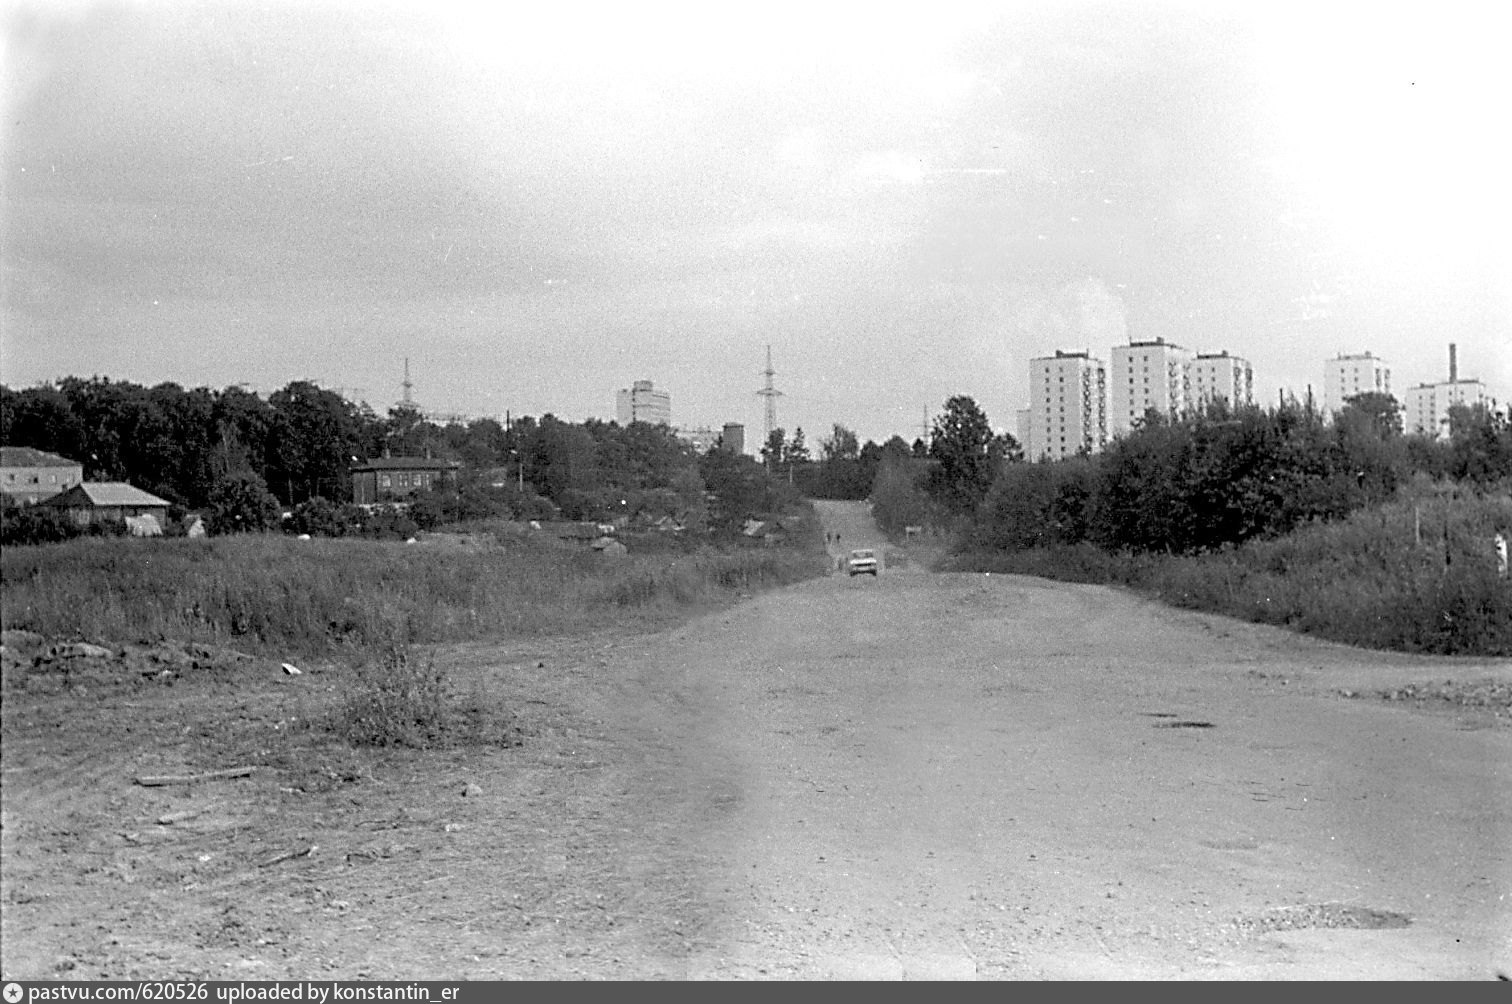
862 562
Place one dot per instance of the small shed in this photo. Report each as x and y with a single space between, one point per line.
108 501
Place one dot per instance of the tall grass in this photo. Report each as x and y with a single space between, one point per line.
1417 574
276 593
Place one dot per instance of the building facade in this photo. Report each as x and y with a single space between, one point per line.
1067 406
392 479
642 402
1344 376
1426 410
1147 375
28 476
733 437
1218 376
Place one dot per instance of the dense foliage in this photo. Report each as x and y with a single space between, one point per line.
1346 528
243 459
1221 477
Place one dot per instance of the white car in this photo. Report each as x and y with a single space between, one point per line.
862 562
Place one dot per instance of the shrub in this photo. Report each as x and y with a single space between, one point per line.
241 503
394 702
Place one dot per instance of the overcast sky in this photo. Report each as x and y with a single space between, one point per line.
538 205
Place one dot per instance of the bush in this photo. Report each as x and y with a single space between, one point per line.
394 703
21 525
398 701
241 503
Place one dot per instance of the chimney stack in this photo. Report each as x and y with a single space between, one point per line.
1453 365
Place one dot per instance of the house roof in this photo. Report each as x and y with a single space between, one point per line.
407 464
105 493
25 456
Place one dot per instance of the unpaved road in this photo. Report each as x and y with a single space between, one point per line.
914 776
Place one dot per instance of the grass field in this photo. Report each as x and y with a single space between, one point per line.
269 592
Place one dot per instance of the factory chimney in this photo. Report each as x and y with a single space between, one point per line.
1453 365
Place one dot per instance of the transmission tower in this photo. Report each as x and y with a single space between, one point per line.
771 394
407 403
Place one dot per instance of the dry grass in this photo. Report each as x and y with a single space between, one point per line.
272 593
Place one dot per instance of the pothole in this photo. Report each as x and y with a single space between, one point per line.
1183 723
1313 915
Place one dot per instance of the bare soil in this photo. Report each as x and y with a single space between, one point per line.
913 776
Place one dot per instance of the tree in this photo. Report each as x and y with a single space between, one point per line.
961 443
738 486
841 445
241 503
771 450
1380 411
313 439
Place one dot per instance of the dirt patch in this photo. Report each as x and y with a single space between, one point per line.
1324 915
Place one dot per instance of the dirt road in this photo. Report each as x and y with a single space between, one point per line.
913 776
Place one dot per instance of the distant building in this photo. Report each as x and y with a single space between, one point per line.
1219 376
28 476
642 402
391 479
1147 375
702 439
1067 405
1427 405
109 501
733 437
1344 376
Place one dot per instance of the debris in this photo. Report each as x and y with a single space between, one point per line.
471 791
84 650
159 780
291 669
289 856
178 817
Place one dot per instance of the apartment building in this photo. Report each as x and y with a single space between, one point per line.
1218 376
642 402
1147 374
1067 406
1344 376
1426 409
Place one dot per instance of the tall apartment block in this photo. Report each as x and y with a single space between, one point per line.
1427 405
1067 406
1218 376
1344 376
642 402
1147 374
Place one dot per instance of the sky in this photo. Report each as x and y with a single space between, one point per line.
537 205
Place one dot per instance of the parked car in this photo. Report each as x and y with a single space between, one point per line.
862 562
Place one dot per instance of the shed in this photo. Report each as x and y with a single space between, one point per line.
107 501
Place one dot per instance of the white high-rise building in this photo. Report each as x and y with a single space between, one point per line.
1067 406
1427 405
642 402
1220 376
1344 376
1145 375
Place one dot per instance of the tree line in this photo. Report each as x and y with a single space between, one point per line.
1221 475
246 458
